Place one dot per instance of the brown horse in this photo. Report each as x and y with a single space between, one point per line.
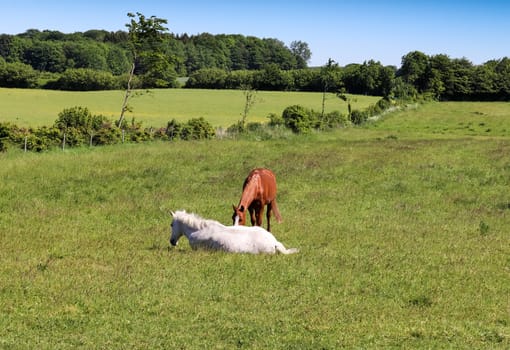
259 189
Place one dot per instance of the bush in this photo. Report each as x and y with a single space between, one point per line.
239 78
109 134
196 129
207 78
384 104
4 136
298 119
358 117
236 128
42 138
275 120
332 120
84 79
18 75
173 129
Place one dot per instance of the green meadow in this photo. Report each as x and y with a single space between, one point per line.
30 107
402 228
451 118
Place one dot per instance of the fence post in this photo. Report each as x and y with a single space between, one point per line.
64 142
123 132
26 137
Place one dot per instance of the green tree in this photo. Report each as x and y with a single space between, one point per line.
502 70
301 52
85 55
117 60
414 68
330 80
145 41
46 56
12 48
250 97
439 75
256 53
277 53
483 81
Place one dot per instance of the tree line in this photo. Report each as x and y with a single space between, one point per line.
101 60
51 59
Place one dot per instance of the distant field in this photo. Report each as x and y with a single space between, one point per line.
451 118
28 107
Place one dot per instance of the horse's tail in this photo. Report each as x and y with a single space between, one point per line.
277 214
280 248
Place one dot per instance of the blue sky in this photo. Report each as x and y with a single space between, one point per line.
347 31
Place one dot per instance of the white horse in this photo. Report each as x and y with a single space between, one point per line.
210 234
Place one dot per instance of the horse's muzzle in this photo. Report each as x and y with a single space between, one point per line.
173 242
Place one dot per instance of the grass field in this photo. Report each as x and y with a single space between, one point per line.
402 231
452 118
29 107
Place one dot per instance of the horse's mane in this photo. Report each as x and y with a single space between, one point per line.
194 220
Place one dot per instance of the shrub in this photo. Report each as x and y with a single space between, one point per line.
207 78
79 118
237 128
42 138
18 75
384 104
332 120
4 136
237 79
80 126
109 134
84 79
358 117
173 129
196 129
254 127
298 119
275 119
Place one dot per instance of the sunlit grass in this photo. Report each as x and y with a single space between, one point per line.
452 118
29 107
403 242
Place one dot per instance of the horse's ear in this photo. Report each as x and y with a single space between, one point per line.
234 207
172 213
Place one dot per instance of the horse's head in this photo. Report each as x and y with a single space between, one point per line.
239 216
176 230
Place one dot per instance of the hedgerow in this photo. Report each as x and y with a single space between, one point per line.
77 126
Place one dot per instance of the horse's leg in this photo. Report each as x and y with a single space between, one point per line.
252 215
260 214
268 216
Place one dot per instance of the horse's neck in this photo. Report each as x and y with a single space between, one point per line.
249 192
193 226
187 230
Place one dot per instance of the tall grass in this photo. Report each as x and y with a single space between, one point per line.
28 107
403 244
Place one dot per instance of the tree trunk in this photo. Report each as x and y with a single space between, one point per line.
127 95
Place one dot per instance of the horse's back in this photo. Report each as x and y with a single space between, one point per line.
241 239
265 182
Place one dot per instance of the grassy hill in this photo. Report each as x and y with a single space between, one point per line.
29 107
402 229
